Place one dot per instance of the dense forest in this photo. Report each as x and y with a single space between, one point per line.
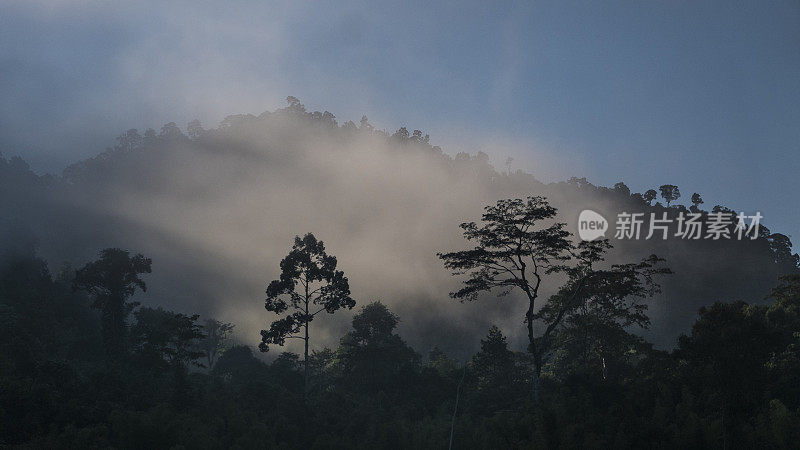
133 290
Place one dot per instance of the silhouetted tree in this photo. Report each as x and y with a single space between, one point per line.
418 138
150 136
194 129
349 126
670 193
441 363
509 161
295 107
216 336
622 188
697 201
372 353
167 337
164 340
513 249
781 247
638 197
579 183
401 134
238 363
170 131
111 281
308 285
364 124
329 119
128 141
494 372
650 195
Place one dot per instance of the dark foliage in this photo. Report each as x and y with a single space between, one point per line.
732 382
91 368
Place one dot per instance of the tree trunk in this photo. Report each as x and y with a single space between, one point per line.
305 366
537 363
114 329
537 375
605 370
305 358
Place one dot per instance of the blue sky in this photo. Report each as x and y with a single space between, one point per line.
705 95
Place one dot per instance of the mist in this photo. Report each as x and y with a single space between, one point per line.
217 212
152 181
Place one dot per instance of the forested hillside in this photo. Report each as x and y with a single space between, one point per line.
133 289
215 209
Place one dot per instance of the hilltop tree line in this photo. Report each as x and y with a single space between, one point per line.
18 182
131 142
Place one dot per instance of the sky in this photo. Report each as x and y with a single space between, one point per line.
703 95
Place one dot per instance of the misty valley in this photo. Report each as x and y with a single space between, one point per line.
287 281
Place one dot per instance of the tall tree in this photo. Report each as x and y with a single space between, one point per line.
513 249
308 285
111 281
670 193
216 336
